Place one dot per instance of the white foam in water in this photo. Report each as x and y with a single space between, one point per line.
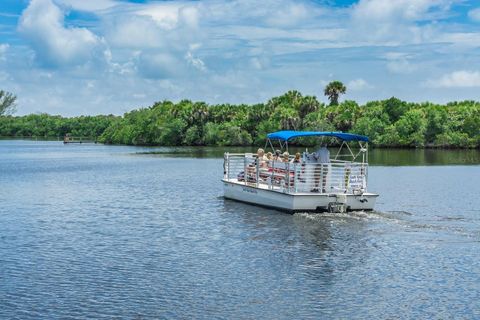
319 216
357 215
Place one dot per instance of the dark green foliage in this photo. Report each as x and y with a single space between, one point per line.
395 108
48 126
411 128
389 123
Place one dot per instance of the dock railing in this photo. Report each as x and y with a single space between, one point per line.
336 176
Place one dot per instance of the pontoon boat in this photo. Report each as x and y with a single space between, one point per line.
333 184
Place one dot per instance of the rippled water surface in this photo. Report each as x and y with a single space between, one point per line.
93 231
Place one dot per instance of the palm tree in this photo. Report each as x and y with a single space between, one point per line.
199 114
309 104
7 102
289 119
333 91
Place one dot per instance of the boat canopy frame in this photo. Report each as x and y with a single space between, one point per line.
284 136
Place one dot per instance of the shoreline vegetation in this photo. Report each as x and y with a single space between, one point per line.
388 123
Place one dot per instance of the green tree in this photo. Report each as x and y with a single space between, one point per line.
389 123
333 90
7 103
193 137
437 122
411 128
395 108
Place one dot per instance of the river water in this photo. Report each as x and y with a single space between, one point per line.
93 231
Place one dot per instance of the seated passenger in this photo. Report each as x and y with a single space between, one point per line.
297 158
262 158
261 154
276 156
285 157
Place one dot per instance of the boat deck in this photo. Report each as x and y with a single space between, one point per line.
333 177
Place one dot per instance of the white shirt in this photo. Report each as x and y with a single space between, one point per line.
323 155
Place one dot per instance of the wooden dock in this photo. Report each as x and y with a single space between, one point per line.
71 139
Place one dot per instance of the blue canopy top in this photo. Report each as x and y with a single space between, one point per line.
287 135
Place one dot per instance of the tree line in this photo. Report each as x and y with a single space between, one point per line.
49 126
388 123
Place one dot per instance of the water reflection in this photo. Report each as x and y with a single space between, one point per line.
317 245
377 157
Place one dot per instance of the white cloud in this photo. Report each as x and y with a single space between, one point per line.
412 10
474 14
87 5
170 15
159 65
195 62
42 24
231 51
165 15
398 62
460 39
289 15
134 32
164 28
396 22
358 85
456 79
3 50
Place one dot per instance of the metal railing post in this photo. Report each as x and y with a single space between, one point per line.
257 172
287 176
295 177
273 174
245 173
228 166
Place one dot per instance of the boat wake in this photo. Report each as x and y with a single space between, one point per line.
355 215
401 219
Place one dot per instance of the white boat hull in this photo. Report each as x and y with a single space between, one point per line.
298 201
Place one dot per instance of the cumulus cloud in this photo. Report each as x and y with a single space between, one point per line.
474 14
42 24
456 79
133 32
155 29
170 15
231 51
396 21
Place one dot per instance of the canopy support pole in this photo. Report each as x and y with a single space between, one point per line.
339 149
271 145
351 152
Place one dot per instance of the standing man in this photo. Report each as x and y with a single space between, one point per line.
322 156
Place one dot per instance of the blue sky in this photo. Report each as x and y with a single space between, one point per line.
75 57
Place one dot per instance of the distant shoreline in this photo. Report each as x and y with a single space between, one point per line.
90 141
390 123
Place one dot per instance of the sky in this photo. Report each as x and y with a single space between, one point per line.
74 57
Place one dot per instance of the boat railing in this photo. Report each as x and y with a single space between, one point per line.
336 176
